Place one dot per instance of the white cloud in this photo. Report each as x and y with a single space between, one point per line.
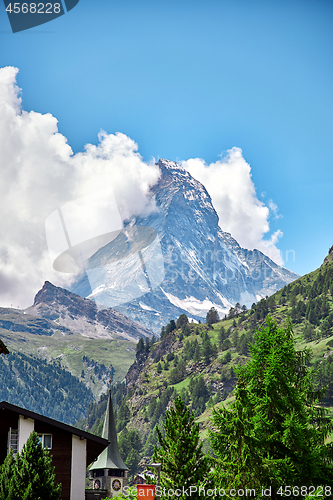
274 209
230 185
39 173
116 156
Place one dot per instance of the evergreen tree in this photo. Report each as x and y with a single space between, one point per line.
151 407
147 344
186 330
326 325
212 316
226 358
226 344
199 394
197 354
309 332
274 434
242 345
178 373
130 447
124 413
151 442
183 461
235 337
170 327
207 350
170 356
237 308
182 320
6 474
222 335
33 474
140 346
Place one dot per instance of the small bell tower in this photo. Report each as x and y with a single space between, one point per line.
109 471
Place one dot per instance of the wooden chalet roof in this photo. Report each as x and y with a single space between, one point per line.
95 444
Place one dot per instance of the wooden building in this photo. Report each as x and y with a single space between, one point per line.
72 450
144 478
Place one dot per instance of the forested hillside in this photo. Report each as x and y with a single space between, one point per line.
197 361
94 345
43 387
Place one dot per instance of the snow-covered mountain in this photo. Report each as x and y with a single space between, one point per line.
180 260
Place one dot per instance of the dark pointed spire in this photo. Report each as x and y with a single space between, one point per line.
3 348
109 458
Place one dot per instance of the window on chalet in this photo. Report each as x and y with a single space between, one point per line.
13 440
46 440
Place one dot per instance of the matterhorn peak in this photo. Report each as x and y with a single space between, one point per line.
203 266
170 165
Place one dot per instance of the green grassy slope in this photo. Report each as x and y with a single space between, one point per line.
197 361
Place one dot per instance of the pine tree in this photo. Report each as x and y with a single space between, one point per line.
6 474
212 316
33 473
226 344
140 346
197 354
182 320
199 394
274 433
130 447
222 335
151 442
207 350
242 345
180 454
170 327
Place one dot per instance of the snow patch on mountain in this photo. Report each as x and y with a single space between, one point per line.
195 306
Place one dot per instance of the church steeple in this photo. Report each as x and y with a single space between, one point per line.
110 458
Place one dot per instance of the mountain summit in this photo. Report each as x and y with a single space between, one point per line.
75 314
203 265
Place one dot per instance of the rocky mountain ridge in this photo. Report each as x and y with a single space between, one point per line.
73 313
94 345
329 257
203 265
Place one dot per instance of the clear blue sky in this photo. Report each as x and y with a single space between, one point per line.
188 79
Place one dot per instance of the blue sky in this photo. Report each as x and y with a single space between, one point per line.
193 79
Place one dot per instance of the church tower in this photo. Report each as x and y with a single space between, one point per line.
109 471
